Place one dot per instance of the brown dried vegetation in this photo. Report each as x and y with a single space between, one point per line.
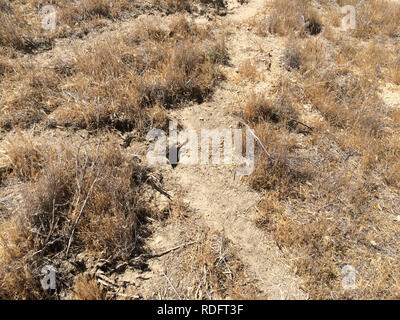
331 188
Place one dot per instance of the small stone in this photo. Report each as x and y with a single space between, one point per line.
186 201
237 70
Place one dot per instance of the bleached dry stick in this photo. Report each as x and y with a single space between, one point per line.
257 138
79 215
172 286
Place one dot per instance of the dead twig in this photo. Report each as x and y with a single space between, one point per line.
79 215
301 123
156 185
172 286
257 139
157 255
141 258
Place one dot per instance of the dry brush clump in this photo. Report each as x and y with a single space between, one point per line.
375 17
220 273
21 21
117 82
86 288
123 80
276 122
15 32
248 70
21 27
28 95
326 205
294 16
63 198
346 98
330 184
373 45
209 268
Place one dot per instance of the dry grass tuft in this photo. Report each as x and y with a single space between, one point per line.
87 289
248 70
116 82
211 269
260 109
294 16
66 200
377 17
